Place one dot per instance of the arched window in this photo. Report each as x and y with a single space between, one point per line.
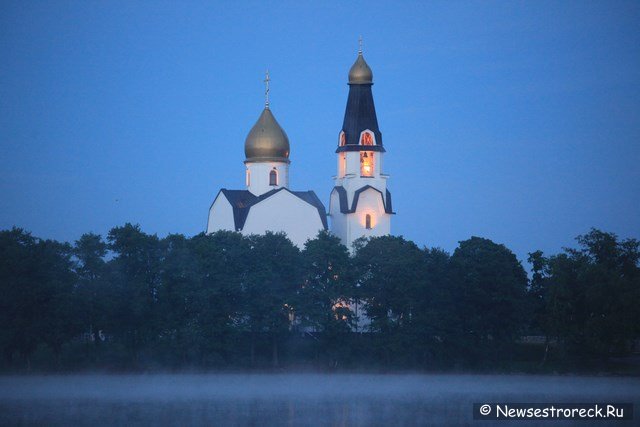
366 139
366 163
273 177
248 177
343 139
367 222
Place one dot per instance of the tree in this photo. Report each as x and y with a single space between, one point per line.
327 288
38 301
215 300
272 279
58 320
135 277
92 288
434 318
177 336
19 302
488 283
392 277
594 293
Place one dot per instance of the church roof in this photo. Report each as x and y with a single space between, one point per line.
344 204
360 72
242 200
360 113
267 141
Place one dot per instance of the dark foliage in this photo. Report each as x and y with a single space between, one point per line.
136 301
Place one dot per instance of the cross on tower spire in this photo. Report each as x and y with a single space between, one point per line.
266 91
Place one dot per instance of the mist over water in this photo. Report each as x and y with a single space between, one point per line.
289 399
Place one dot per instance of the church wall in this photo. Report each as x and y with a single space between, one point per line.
342 165
338 220
220 215
353 185
284 212
259 176
369 202
353 163
352 226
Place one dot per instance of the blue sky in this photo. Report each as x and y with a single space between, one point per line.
515 121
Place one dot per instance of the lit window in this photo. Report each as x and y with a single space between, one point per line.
366 163
367 222
366 139
273 177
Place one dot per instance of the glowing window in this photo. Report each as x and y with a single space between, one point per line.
367 222
273 177
366 139
366 163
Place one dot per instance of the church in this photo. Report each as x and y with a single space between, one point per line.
359 204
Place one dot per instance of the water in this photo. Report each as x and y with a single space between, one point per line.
290 399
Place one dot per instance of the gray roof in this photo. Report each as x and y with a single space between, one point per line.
242 201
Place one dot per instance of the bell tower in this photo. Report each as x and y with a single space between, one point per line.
360 203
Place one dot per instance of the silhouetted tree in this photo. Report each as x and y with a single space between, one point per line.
434 311
135 276
216 301
19 302
58 318
92 288
392 277
488 285
593 295
273 277
326 292
37 288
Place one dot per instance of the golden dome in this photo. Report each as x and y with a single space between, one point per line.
266 141
360 73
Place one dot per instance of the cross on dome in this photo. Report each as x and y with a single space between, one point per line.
266 91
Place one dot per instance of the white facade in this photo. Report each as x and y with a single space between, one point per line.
220 215
262 177
284 212
364 210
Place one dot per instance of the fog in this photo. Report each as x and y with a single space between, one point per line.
288 399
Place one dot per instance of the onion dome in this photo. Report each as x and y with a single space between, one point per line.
360 73
267 141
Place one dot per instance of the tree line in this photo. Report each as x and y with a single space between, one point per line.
137 301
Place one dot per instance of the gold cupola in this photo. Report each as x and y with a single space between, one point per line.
267 141
360 73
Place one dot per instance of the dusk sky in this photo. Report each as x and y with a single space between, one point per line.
515 121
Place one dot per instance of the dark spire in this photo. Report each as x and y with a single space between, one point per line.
360 113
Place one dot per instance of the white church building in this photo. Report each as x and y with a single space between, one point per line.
360 203
267 204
